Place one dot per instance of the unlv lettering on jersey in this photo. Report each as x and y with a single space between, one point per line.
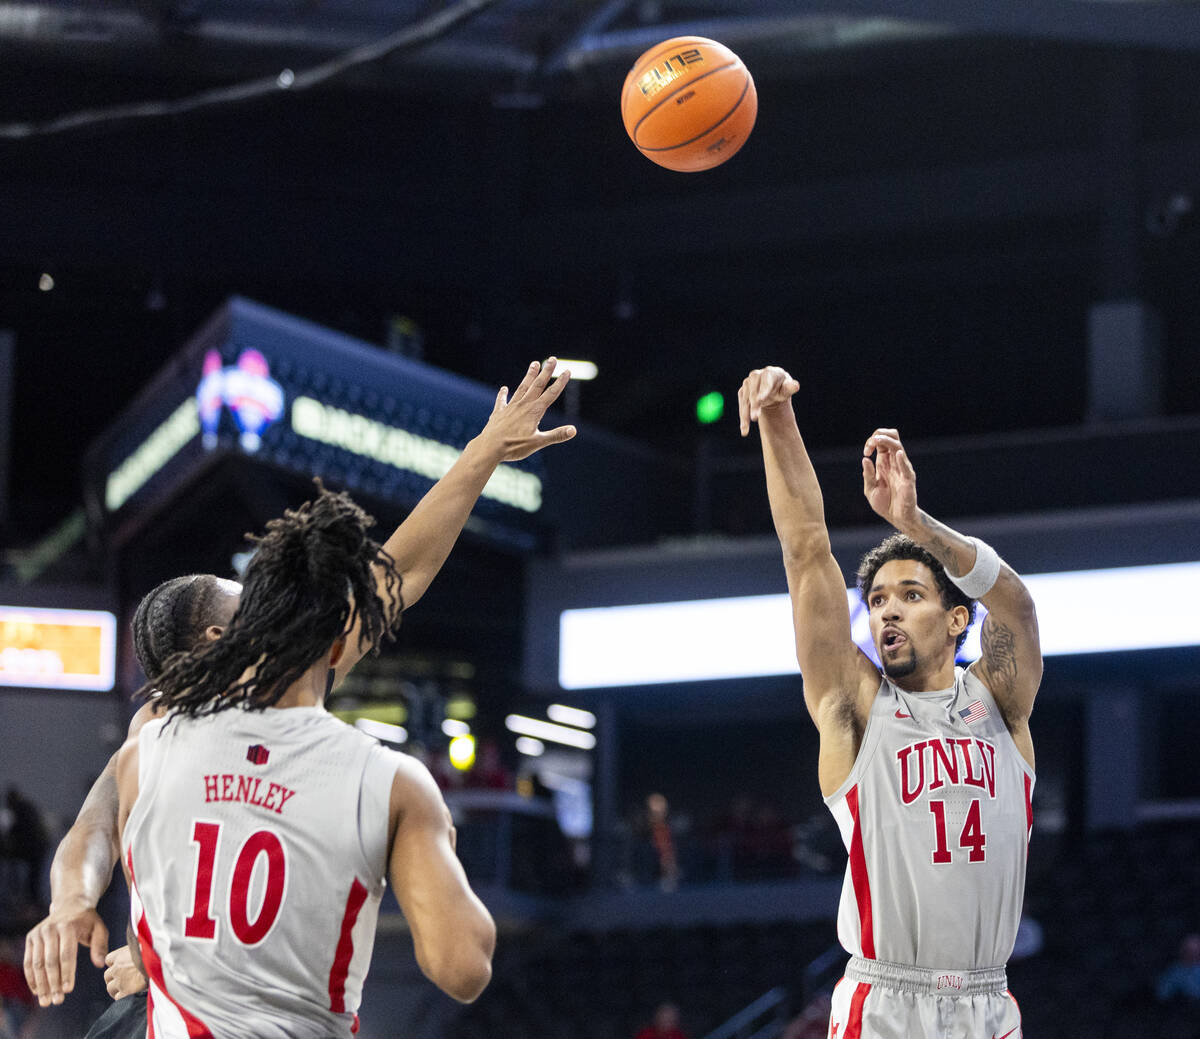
934 763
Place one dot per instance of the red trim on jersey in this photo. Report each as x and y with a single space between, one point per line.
858 875
1028 807
196 1029
345 948
854 1021
1014 999
150 1034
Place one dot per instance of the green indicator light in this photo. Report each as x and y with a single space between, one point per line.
710 408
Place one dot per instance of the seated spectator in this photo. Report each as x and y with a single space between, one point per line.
489 772
17 1003
812 1022
665 1026
27 841
1181 980
663 841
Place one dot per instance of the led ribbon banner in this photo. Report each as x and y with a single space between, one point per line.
1079 611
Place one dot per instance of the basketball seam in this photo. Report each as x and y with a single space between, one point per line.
667 97
693 140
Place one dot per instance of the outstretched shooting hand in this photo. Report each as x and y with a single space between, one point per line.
763 388
889 480
513 425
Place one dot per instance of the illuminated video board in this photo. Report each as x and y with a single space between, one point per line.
57 649
258 384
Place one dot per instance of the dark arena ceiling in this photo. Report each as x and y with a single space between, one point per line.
934 196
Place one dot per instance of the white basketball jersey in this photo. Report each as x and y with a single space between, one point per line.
936 817
257 847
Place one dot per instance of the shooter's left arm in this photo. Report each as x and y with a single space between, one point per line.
1011 663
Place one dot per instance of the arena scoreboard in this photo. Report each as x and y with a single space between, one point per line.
57 649
274 390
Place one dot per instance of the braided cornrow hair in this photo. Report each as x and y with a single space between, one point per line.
312 576
172 618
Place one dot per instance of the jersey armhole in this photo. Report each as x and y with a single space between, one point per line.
374 811
992 705
866 750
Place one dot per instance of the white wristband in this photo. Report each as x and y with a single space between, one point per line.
976 583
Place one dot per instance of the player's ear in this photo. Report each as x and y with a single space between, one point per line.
336 652
960 617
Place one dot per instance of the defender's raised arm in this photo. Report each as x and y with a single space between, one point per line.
420 545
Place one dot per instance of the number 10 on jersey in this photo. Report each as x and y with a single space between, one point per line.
200 923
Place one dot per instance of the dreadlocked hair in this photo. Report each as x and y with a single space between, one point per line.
171 619
311 578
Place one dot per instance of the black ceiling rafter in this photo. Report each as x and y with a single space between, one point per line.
1161 24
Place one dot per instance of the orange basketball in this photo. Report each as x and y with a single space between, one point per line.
689 104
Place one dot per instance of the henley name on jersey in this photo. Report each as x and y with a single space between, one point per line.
961 761
227 786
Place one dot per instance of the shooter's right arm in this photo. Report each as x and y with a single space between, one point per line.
839 681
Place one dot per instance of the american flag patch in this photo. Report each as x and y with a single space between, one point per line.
974 712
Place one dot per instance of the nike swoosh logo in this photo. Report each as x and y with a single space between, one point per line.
1006 1034
900 714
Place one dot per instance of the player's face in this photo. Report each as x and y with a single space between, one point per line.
909 625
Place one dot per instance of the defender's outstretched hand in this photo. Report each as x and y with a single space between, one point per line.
513 425
51 947
763 388
889 481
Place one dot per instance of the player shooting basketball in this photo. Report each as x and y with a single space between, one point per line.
927 768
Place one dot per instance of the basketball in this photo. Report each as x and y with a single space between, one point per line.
689 104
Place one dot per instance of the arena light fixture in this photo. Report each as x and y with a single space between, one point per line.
382 730
565 715
549 731
530 747
462 752
1079 611
581 371
453 728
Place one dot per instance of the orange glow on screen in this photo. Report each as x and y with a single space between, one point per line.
57 649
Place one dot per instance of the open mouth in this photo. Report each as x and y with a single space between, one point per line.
892 639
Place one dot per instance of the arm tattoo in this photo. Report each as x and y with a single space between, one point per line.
999 646
939 545
942 551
